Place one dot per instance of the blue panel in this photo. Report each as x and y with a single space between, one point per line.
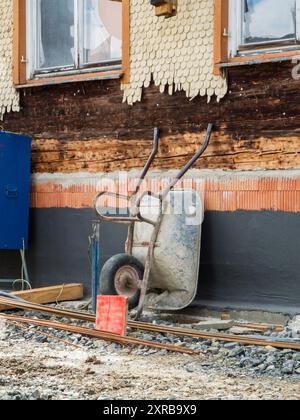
14 190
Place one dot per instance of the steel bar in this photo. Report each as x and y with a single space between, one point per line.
83 316
188 166
258 341
149 162
47 309
98 334
51 336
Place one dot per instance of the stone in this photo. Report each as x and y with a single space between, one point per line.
243 331
41 339
270 348
214 325
36 395
296 357
262 367
244 361
94 360
288 368
213 350
231 345
255 362
236 352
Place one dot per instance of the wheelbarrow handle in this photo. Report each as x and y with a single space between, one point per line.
194 159
137 212
149 162
114 219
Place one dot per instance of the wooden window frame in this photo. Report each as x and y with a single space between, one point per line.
19 53
221 44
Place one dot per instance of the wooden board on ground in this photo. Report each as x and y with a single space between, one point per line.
52 294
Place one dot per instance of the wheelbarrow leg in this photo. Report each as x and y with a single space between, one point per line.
148 265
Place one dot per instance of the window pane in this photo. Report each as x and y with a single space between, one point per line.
55 43
268 20
102 31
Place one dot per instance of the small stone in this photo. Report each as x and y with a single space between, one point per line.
244 361
230 345
89 371
288 368
270 368
41 339
36 395
94 360
213 350
262 367
270 348
255 362
236 352
297 371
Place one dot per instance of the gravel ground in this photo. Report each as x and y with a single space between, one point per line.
34 366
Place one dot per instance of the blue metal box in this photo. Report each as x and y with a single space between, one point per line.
14 190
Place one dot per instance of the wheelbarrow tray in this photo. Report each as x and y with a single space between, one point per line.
174 272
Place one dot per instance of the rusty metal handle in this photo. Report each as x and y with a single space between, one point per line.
138 207
149 162
188 166
114 219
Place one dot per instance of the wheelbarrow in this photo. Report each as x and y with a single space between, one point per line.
160 266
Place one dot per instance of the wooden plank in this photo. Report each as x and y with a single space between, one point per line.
109 155
126 41
87 128
52 294
220 34
19 41
16 42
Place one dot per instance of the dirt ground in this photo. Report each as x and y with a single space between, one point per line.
55 370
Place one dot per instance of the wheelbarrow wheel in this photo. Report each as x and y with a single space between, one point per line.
121 275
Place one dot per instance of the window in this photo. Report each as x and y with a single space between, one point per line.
69 35
255 31
262 25
62 40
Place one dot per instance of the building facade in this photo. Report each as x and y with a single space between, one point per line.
91 114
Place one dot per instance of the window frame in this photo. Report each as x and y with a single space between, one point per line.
20 63
224 43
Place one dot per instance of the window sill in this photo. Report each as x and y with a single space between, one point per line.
79 77
247 60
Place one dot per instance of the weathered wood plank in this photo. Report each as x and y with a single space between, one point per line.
103 155
52 294
85 126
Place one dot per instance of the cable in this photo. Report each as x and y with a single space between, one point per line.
22 280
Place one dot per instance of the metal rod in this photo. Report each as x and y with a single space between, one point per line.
149 162
95 262
98 334
256 341
194 159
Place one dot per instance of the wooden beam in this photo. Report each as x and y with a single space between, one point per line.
19 41
126 41
52 294
220 34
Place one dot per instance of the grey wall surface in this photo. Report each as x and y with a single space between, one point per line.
249 260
